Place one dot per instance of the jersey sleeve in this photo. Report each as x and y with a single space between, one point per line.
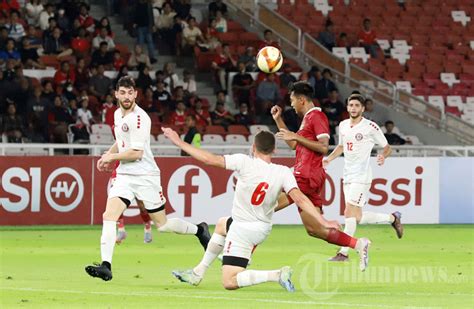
235 162
378 136
140 132
340 142
320 125
289 181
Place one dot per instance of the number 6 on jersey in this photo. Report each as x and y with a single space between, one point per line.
259 194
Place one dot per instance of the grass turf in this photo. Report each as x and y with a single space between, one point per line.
432 266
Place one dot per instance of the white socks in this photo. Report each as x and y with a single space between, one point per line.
349 228
215 246
179 226
369 217
253 277
107 240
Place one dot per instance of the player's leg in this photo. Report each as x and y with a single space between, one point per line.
115 207
121 233
240 243
195 275
147 237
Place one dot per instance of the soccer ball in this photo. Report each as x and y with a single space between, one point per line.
269 59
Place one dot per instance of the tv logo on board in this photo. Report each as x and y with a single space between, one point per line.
63 189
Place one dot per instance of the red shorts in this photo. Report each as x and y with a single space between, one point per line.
311 187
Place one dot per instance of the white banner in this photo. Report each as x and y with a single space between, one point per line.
408 185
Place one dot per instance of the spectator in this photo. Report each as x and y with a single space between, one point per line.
268 92
45 15
192 136
178 95
64 75
242 83
84 120
118 60
393 138
211 39
286 78
6 6
10 53
162 97
243 117
138 57
148 103
320 85
82 75
222 117
215 6
33 38
13 125
103 37
85 19
102 56
165 23
9 74
99 84
188 84
327 37
333 108
367 38
3 37
178 26
144 80
170 78
54 45
60 120
375 113
344 42
182 8
268 40
221 23
178 117
191 34
223 63
63 22
52 23
48 91
81 44
249 59
108 111
144 24
221 97
123 71
37 113
203 118
33 10
105 23
15 28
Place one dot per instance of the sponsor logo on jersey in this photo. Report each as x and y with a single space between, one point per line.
359 136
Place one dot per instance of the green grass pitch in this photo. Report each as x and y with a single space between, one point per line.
432 266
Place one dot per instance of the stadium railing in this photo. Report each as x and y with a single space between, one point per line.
33 149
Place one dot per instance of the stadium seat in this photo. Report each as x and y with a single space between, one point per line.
460 17
213 139
341 52
384 44
236 139
404 85
102 129
437 101
238 129
359 52
455 101
216 130
163 140
99 139
413 139
401 55
449 79
254 129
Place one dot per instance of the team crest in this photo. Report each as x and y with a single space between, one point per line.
124 127
359 136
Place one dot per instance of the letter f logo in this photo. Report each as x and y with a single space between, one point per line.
188 190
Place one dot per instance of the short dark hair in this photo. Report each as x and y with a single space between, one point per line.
302 88
267 31
265 142
126 82
389 122
357 97
103 43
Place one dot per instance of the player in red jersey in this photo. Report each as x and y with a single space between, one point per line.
311 143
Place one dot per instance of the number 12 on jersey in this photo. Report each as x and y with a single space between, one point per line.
259 194
349 146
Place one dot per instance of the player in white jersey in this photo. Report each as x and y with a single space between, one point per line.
357 137
138 177
259 185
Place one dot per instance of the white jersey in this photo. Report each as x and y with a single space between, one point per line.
133 132
258 187
357 142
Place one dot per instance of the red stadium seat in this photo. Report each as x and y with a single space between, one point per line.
238 129
216 130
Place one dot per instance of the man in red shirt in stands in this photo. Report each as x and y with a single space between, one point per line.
64 75
268 40
222 63
367 39
108 110
311 143
178 117
203 117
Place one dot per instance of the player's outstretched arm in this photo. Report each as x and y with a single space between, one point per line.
321 145
305 204
130 155
276 112
199 154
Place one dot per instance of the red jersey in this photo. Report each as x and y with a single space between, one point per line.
108 111
178 119
367 38
315 125
203 118
61 78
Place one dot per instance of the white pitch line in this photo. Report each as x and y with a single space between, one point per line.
180 295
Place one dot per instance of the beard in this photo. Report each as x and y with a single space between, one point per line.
122 105
355 116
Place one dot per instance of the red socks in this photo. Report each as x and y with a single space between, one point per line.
339 238
146 218
121 223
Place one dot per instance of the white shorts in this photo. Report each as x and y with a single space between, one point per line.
144 188
356 193
243 237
